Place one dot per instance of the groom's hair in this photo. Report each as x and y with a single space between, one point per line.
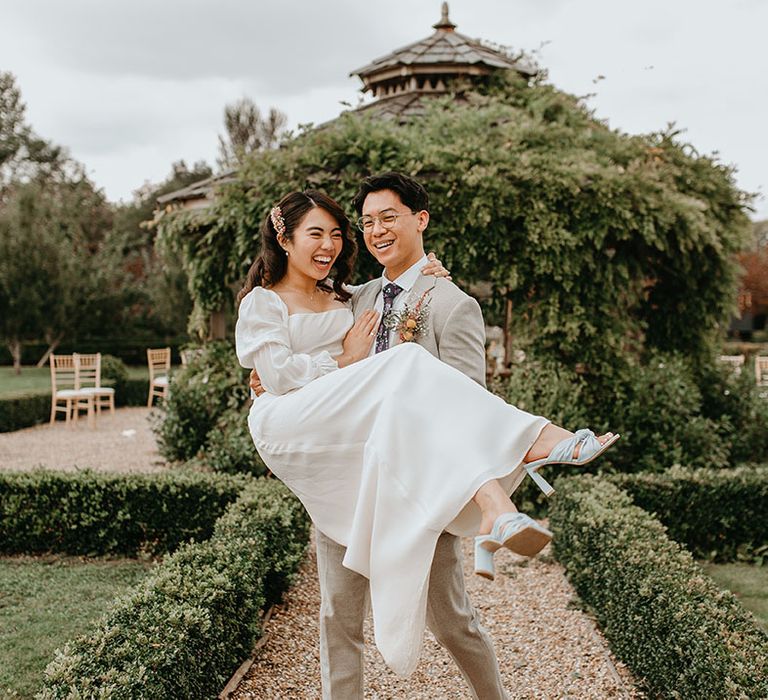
411 192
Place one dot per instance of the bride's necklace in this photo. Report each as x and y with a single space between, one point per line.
310 297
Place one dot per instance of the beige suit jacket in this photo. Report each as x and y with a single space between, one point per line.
455 329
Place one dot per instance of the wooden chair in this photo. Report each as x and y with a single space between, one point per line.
761 370
159 361
736 362
65 386
89 380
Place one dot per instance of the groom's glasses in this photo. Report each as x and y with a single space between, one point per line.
387 220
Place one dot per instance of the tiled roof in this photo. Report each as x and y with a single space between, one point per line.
401 107
444 47
198 190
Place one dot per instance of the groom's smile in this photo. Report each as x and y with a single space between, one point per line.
394 233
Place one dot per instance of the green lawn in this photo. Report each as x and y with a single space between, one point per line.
37 380
44 602
748 582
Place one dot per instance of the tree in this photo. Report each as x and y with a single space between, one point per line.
603 244
22 153
248 131
162 304
57 278
754 281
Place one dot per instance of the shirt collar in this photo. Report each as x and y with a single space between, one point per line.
409 277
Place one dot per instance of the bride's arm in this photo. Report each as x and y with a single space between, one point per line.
262 342
357 346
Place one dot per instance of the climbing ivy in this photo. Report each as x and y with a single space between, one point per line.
604 243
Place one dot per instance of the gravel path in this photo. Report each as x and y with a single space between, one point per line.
120 443
547 648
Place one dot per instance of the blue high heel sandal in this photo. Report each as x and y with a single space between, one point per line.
562 453
515 531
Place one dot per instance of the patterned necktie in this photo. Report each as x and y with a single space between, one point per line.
390 291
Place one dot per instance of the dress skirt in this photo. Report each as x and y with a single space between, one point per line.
385 455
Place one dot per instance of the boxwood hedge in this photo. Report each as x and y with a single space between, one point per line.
680 634
184 630
92 513
717 514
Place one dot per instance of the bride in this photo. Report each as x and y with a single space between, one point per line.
388 451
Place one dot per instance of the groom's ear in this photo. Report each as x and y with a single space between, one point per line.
422 219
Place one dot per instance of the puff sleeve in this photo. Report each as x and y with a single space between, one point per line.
262 342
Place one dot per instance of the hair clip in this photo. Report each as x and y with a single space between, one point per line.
276 216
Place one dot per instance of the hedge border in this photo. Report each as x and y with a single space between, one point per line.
95 513
718 514
679 633
31 409
185 629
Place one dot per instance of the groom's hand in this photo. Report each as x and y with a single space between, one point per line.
255 383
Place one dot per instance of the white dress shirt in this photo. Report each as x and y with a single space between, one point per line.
406 281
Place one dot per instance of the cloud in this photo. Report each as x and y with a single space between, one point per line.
282 47
131 86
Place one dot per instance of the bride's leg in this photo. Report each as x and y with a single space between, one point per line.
493 502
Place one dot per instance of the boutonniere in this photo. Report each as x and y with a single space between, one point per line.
410 322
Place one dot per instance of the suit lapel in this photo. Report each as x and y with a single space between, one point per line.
367 297
422 284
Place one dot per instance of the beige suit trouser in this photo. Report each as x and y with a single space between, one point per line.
450 616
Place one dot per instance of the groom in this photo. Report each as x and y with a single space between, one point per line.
394 212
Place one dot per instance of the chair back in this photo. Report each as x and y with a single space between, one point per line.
736 362
159 361
64 373
761 371
88 370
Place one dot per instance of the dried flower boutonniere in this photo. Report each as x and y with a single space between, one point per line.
410 322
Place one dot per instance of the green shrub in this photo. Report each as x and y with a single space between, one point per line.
200 394
716 513
113 372
230 446
741 407
548 389
668 410
183 631
681 636
24 411
659 416
133 392
96 513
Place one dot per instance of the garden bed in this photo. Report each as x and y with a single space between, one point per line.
184 629
680 634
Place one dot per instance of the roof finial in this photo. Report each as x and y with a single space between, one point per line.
445 23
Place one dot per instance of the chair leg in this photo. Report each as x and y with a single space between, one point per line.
53 410
112 404
149 398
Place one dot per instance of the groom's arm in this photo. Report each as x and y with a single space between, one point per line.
462 340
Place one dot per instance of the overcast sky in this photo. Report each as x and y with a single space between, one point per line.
130 87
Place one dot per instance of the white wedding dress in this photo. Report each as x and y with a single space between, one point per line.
385 453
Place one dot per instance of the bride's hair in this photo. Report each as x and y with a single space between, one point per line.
271 264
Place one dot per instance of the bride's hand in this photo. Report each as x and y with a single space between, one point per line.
435 267
359 339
